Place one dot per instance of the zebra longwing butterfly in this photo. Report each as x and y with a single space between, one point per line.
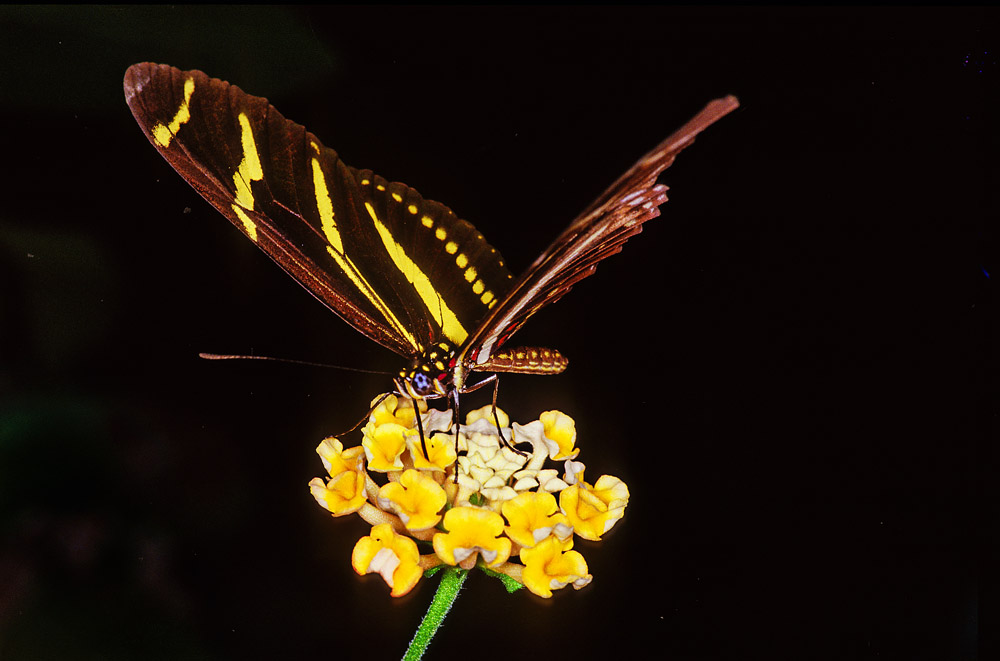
403 270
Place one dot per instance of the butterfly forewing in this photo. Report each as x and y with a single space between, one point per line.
395 266
599 232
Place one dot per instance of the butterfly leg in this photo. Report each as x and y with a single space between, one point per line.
420 429
496 416
455 423
495 380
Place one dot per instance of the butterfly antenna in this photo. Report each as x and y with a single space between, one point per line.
292 361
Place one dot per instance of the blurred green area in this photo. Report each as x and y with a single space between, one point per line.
60 58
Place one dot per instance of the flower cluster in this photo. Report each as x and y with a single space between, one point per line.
503 504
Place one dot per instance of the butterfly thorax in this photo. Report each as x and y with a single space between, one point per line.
431 374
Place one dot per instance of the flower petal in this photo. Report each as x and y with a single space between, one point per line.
340 495
394 557
336 459
472 530
440 447
560 429
384 445
593 510
344 492
532 517
416 498
547 567
396 410
486 413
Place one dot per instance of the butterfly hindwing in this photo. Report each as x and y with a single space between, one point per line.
456 276
395 266
599 232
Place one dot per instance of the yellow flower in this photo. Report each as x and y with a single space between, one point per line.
344 492
394 557
547 567
560 430
470 531
384 445
392 409
593 510
533 517
336 459
486 413
440 447
416 498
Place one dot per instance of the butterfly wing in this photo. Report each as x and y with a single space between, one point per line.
599 232
403 270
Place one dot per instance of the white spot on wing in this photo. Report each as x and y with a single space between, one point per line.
485 352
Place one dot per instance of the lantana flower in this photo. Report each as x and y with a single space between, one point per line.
393 556
533 517
344 493
384 446
560 431
548 566
472 530
416 498
479 500
593 510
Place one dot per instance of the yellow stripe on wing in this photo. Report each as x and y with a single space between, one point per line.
249 170
449 323
164 133
336 249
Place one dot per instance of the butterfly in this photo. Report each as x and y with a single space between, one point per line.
402 269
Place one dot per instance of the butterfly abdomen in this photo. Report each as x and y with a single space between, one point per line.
525 360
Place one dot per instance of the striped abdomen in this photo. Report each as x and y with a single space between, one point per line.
525 360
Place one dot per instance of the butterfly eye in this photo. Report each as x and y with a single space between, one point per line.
422 384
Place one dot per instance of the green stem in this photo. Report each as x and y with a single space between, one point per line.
451 582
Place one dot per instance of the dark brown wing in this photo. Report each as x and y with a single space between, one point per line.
403 270
596 234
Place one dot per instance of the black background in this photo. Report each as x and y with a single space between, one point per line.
788 368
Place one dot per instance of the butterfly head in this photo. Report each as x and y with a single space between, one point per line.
430 373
